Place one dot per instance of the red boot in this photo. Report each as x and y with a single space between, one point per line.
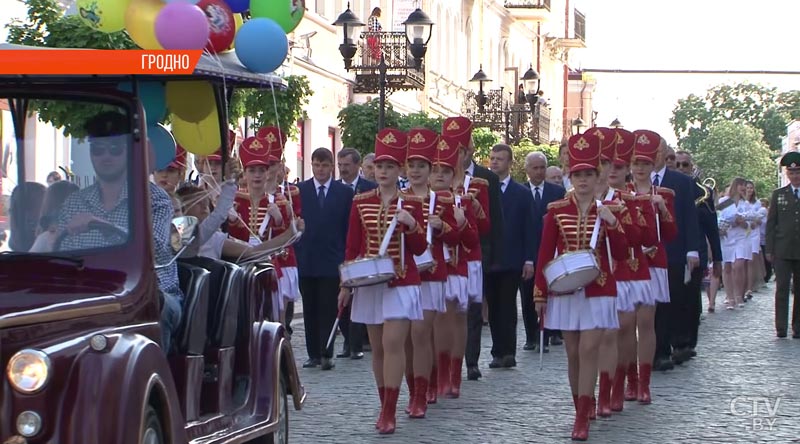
382 396
389 411
618 390
604 396
455 377
632 391
411 393
420 403
444 374
580 430
575 402
433 387
644 383
593 409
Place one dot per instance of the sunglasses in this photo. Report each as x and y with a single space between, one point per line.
683 164
100 149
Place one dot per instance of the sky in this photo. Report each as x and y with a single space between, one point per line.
683 34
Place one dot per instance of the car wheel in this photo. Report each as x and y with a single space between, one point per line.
281 435
152 433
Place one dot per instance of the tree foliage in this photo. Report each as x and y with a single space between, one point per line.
733 150
764 108
484 140
420 119
522 149
283 110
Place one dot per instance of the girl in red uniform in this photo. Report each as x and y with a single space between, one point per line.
450 329
387 309
440 228
585 313
659 201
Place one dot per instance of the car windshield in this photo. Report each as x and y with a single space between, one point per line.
64 179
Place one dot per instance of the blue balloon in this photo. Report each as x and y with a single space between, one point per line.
164 145
238 5
153 97
261 45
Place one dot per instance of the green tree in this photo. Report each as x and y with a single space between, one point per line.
283 110
737 150
764 108
484 140
522 149
420 119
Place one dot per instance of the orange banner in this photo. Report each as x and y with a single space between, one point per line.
95 61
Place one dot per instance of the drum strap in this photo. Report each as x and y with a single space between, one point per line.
467 178
265 222
431 210
392 226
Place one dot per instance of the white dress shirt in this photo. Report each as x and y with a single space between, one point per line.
470 169
353 185
326 184
504 183
661 173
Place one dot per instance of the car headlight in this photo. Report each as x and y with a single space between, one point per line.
28 371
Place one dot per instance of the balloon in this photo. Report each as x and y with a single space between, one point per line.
286 13
190 101
193 2
163 145
261 45
239 21
200 138
103 15
153 99
221 24
140 22
181 25
238 5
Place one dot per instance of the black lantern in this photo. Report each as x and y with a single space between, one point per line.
351 26
419 28
578 125
481 78
616 124
531 81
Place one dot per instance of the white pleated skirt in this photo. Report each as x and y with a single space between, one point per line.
375 304
456 289
289 283
475 281
659 284
739 248
431 296
633 293
576 312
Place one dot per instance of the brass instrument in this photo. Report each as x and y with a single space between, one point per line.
708 190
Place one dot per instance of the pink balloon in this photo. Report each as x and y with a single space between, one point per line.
182 25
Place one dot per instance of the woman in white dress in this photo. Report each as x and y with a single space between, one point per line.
755 267
736 247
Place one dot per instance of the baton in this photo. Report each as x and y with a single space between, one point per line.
541 341
335 325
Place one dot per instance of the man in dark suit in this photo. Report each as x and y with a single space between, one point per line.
349 162
709 229
326 210
674 318
518 248
783 246
491 248
542 193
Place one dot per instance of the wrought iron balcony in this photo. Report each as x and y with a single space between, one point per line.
401 73
530 10
514 120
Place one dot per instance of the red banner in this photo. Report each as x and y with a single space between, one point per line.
94 61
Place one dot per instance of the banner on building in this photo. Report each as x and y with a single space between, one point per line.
402 9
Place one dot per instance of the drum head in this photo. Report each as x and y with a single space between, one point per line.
573 281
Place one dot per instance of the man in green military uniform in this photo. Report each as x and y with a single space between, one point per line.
783 245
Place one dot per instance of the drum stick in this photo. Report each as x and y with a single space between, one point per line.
335 326
658 219
541 341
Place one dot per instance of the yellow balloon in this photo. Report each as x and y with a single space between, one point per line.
201 138
238 21
140 22
191 101
103 15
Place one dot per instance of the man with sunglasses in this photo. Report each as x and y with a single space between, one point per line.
98 216
709 229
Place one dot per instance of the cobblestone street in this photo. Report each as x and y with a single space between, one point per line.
744 386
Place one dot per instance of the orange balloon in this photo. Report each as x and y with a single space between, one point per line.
140 22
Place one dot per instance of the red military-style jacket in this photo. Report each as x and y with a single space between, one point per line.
468 240
637 230
449 234
369 221
479 193
655 251
565 230
251 216
282 200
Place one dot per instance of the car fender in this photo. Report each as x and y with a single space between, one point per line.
109 390
280 360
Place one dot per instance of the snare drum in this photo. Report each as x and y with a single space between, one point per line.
571 271
424 261
366 271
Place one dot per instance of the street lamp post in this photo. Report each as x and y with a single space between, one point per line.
616 124
418 30
531 86
578 125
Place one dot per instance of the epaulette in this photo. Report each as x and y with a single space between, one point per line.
479 181
615 207
669 191
365 194
558 204
414 198
643 197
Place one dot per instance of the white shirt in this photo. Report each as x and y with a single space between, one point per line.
660 175
353 185
504 183
470 169
326 184
535 188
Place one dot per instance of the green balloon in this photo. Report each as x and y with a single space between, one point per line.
286 13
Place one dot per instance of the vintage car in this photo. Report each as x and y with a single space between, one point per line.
80 333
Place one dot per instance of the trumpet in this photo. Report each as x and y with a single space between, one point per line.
708 185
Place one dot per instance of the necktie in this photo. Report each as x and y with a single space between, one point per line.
353 187
797 193
321 196
656 182
537 197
